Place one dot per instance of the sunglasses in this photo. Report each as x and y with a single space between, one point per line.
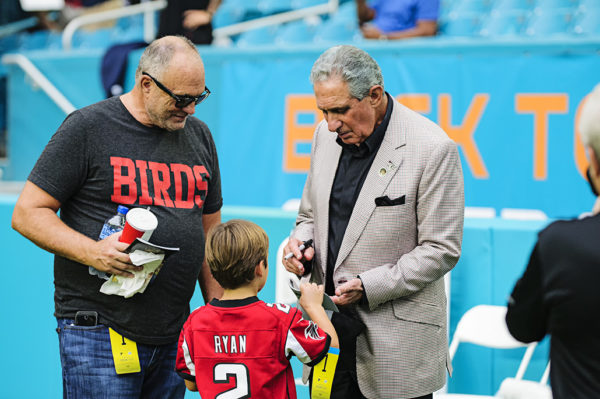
184 100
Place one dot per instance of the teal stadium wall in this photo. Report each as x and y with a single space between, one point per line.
511 106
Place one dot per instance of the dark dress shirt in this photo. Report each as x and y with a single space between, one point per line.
559 294
354 164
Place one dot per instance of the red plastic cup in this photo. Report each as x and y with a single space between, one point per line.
139 222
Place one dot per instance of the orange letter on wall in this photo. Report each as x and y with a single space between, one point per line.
581 161
420 103
296 133
540 105
463 134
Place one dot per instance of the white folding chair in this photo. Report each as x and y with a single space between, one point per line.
484 325
511 388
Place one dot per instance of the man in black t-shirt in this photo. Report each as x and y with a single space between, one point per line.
189 18
142 149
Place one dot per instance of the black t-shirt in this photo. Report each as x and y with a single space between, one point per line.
101 157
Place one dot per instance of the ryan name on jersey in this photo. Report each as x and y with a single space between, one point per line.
230 343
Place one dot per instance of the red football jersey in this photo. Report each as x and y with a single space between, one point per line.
241 348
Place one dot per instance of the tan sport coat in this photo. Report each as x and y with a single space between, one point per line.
401 252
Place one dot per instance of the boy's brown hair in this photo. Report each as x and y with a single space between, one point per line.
233 249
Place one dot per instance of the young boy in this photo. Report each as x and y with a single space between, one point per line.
240 344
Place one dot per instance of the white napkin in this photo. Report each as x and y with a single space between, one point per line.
127 287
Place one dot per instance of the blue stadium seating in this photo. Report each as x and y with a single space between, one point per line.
257 37
33 41
297 4
511 5
337 30
296 32
503 24
461 25
549 4
588 23
269 7
550 22
471 6
589 5
228 14
347 11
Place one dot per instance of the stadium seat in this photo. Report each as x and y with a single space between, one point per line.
270 7
510 5
589 5
101 38
33 41
502 24
257 37
588 22
337 30
550 4
296 32
9 43
471 6
550 22
347 12
465 25
297 4
228 14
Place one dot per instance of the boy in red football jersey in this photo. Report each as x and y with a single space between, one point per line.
240 344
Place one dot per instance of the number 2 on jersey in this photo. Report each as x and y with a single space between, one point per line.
221 374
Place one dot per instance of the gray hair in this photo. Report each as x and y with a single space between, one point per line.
157 56
350 64
589 121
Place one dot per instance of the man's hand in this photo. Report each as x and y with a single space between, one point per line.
349 292
108 256
294 264
193 19
371 32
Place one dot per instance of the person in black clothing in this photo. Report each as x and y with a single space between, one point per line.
558 293
189 18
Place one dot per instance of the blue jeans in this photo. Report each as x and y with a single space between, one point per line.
88 368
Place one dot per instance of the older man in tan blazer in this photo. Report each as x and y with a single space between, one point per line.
384 204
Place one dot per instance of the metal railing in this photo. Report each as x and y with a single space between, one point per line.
147 8
40 80
17 26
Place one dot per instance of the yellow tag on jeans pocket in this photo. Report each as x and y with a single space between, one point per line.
125 353
323 374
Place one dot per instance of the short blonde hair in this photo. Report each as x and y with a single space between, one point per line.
233 249
589 121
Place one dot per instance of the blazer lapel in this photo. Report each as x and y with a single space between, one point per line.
386 164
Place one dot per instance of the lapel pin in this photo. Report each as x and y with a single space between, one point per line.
382 172
391 165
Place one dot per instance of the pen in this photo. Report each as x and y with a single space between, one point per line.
304 245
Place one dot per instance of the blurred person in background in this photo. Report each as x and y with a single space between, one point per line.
189 18
138 149
383 203
398 19
558 293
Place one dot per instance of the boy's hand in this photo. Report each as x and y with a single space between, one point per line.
311 295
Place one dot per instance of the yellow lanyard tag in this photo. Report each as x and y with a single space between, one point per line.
125 353
323 375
